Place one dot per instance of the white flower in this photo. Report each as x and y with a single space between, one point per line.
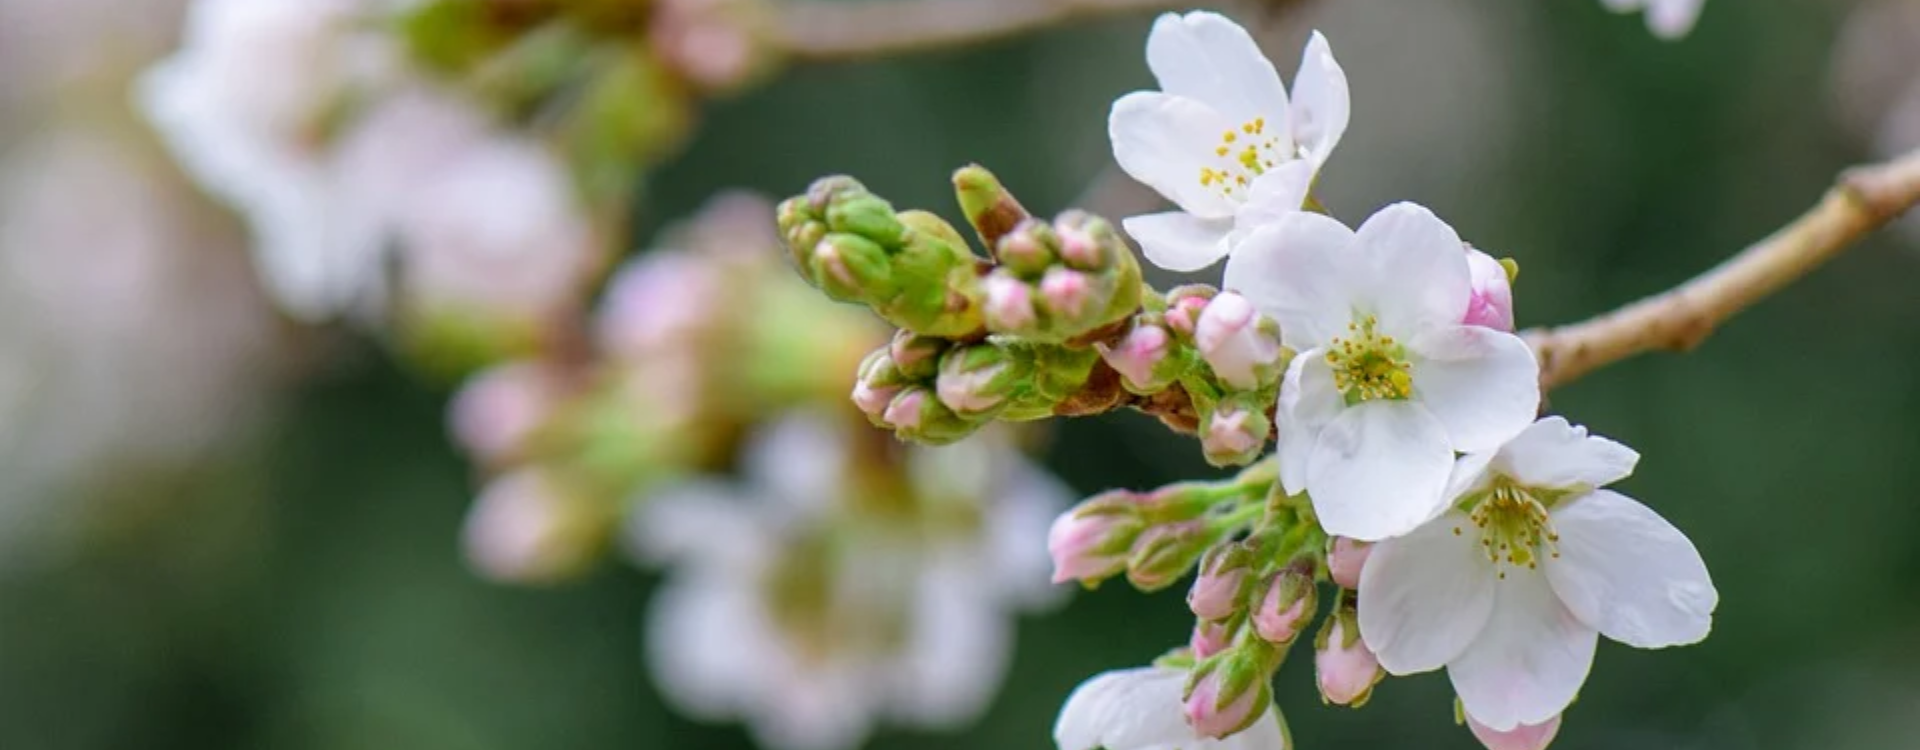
1669 19
1141 709
1220 139
243 104
813 621
1389 382
1510 588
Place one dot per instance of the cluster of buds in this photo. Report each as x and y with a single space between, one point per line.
935 391
1056 281
1154 537
1223 352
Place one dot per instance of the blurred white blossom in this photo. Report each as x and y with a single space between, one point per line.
1667 19
812 619
1140 709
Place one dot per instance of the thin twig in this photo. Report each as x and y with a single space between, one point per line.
1861 201
835 30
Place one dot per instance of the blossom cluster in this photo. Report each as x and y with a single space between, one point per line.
1409 471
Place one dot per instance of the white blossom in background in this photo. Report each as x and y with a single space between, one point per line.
130 339
244 106
1221 139
1511 587
813 623
1390 380
1140 709
1668 19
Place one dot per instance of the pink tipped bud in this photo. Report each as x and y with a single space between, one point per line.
908 409
1185 305
916 356
1079 248
1025 250
876 385
1139 356
1522 737
1492 302
1286 604
977 380
1241 345
522 529
1166 552
1066 293
1209 637
1347 669
1234 435
1345 559
1216 591
1228 693
1009 304
498 410
1093 540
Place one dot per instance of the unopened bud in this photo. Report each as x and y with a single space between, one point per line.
1209 637
1029 249
1087 243
1235 433
1492 303
496 412
1287 602
868 216
1092 541
877 383
1066 293
1143 357
989 207
1229 692
524 529
1185 305
977 380
1009 307
1345 559
1241 345
851 268
1522 737
916 414
801 228
1346 668
1166 552
916 356
1217 590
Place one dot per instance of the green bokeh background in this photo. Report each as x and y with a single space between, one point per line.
308 593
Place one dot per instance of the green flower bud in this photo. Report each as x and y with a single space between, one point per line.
1166 552
978 381
1235 431
851 268
917 356
867 215
800 228
989 207
916 414
1029 249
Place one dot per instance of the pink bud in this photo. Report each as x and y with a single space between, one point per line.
1347 671
1137 355
1078 247
1287 604
1184 307
1492 303
1209 637
1009 305
1234 435
1066 293
1088 543
971 392
496 411
1209 717
1216 590
1522 737
873 400
907 410
1345 559
1231 339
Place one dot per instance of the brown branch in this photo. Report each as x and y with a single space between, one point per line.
837 30
1861 201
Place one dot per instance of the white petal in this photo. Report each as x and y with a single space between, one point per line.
1553 454
1470 474
956 653
1210 59
1425 597
706 640
1627 572
1379 470
1281 191
1482 384
1179 241
798 462
1321 103
1296 270
705 522
1125 710
1295 440
1415 270
1016 535
1672 19
1529 663
1163 141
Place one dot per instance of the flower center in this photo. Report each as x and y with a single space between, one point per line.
1244 154
1368 365
1514 528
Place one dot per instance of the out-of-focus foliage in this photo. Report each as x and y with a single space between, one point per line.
304 588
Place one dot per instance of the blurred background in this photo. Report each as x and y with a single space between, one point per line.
220 528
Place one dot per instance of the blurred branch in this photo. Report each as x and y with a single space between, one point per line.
1861 201
835 30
